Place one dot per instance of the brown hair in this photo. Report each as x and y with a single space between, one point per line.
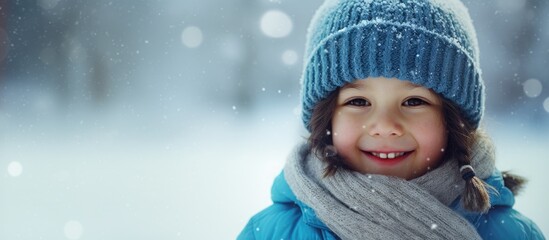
320 140
461 137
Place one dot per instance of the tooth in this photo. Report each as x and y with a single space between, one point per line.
383 155
391 155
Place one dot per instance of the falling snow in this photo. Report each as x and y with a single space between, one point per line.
289 57
15 169
276 24
532 87
191 37
87 106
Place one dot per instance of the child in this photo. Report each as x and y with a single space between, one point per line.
393 97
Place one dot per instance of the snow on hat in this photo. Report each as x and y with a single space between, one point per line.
431 43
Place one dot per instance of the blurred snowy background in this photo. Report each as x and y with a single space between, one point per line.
138 119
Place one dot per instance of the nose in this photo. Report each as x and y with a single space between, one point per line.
384 124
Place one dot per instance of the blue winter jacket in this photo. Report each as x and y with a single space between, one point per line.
288 218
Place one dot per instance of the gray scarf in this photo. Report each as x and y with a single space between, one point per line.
368 206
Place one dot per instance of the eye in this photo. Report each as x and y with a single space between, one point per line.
414 102
359 102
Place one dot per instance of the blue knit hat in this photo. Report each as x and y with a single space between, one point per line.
431 43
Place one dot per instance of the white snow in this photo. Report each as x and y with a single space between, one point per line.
215 174
532 87
192 37
289 57
276 24
15 169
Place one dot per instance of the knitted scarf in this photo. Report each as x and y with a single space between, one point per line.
368 206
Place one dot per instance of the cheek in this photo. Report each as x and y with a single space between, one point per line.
344 132
432 136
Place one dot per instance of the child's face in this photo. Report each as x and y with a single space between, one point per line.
390 127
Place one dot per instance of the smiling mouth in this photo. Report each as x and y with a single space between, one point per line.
388 157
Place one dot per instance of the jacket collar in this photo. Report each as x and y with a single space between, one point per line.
281 193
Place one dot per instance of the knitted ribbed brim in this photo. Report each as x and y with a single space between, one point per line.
418 41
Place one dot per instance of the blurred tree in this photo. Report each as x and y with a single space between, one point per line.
244 76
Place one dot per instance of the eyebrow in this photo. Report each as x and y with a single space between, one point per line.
353 85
